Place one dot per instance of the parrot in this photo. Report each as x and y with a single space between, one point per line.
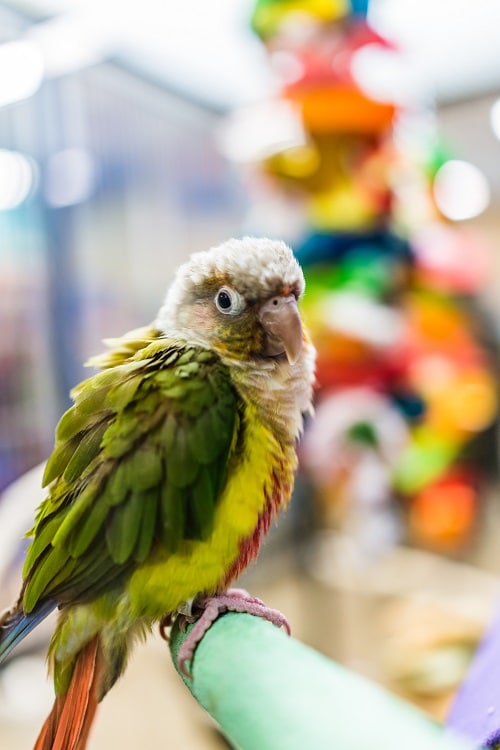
166 474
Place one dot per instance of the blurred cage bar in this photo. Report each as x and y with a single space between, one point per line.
108 182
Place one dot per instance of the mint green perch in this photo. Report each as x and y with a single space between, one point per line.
269 692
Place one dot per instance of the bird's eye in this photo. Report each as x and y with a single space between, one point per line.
228 301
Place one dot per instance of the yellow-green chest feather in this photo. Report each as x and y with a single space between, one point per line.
259 480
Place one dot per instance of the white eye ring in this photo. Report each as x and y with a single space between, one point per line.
228 301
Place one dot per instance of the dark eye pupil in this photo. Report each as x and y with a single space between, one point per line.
224 300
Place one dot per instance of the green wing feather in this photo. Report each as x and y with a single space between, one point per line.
139 462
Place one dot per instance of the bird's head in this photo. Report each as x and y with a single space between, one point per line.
239 298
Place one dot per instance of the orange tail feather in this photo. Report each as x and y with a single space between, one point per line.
68 724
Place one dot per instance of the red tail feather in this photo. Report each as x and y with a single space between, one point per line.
68 724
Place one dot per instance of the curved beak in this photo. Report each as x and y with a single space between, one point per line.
281 321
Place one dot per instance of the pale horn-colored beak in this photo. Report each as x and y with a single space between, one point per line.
281 321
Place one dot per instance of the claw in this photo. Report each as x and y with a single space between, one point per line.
164 625
184 621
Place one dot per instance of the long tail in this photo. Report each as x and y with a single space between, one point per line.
15 625
68 724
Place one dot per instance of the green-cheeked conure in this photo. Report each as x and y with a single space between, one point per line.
166 473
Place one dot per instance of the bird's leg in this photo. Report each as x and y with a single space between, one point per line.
209 608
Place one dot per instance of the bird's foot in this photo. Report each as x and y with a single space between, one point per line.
207 609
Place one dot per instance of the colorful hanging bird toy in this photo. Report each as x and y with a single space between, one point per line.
407 400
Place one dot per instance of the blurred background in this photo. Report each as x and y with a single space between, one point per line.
367 136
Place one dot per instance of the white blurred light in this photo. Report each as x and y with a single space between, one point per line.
17 178
74 40
495 118
259 131
454 42
387 75
21 71
461 190
70 177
